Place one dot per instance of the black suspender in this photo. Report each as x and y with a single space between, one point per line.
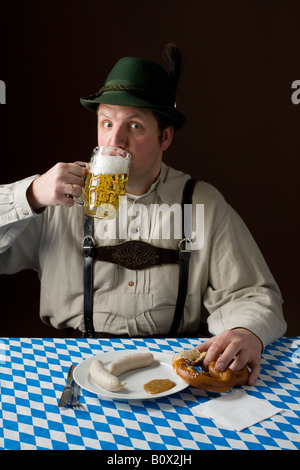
183 258
88 253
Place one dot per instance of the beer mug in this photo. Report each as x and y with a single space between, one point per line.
106 182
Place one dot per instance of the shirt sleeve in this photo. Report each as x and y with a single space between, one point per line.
15 212
241 291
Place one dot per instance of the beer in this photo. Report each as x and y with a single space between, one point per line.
102 192
105 182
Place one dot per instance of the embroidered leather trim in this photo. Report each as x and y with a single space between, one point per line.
137 255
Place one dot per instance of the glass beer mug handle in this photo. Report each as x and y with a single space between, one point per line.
80 200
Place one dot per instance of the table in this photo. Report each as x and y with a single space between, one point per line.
33 373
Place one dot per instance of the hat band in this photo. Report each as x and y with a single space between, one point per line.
139 92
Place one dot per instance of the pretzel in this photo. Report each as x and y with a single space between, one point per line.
211 380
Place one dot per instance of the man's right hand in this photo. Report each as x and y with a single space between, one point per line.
52 188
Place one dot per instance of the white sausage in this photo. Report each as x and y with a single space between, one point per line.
130 361
103 378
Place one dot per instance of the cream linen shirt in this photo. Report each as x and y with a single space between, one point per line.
228 274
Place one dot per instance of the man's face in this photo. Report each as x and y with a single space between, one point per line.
136 131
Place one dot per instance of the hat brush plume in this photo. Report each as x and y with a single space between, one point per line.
172 57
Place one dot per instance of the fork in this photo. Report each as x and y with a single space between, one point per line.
75 402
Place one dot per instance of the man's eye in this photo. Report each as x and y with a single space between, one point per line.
135 125
106 124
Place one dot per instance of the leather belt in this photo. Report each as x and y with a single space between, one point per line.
137 255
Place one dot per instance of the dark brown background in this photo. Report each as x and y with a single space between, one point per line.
242 131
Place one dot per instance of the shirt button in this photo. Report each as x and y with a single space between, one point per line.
25 212
131 283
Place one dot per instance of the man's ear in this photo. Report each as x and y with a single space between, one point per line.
167 137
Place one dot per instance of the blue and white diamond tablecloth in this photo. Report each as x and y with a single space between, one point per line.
33 373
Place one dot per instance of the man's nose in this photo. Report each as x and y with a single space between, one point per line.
118 137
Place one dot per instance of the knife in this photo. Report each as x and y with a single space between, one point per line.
68 389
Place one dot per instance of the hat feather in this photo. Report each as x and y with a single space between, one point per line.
172 57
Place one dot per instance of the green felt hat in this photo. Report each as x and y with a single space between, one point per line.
141 83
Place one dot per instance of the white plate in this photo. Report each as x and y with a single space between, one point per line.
161 368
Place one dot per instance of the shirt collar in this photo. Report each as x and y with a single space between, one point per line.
153 186
169 188
166 186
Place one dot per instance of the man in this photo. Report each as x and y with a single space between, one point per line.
42 228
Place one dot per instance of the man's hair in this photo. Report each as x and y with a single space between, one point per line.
162 123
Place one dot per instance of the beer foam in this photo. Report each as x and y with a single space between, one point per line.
110 165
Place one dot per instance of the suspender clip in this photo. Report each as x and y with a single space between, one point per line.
184 245
88 246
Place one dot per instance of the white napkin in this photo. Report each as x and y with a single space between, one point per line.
237 410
